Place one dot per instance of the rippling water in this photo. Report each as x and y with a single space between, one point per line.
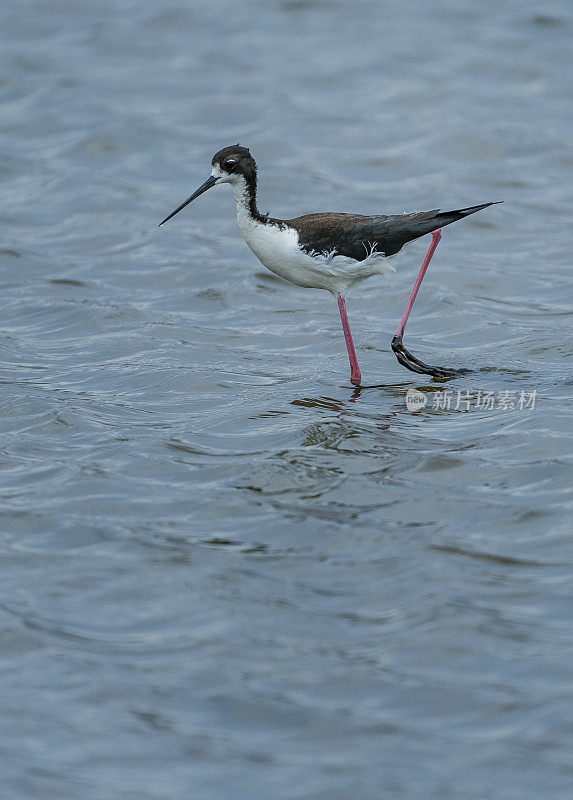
226 574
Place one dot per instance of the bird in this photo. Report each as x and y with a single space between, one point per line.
330 250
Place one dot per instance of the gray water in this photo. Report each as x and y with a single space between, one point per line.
226 574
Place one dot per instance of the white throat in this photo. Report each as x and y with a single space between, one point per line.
242 199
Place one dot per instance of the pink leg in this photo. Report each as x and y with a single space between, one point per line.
355 376
436 236
404 356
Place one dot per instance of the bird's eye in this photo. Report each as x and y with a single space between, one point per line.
230 163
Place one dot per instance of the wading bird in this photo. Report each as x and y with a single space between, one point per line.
329 250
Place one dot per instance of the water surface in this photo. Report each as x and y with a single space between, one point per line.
226 574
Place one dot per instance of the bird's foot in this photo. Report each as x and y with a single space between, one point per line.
415 365
355 377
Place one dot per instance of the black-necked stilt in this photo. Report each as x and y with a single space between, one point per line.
329 250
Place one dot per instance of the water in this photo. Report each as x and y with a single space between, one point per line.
226 574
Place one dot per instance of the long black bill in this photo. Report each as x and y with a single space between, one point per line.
211 181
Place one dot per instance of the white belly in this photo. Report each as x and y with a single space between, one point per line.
277 248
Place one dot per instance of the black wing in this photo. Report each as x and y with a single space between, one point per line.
355 235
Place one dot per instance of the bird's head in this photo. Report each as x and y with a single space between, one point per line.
234 165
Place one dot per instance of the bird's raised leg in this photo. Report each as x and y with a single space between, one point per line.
355 376
404 357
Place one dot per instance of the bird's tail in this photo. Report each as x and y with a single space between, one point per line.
447 217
